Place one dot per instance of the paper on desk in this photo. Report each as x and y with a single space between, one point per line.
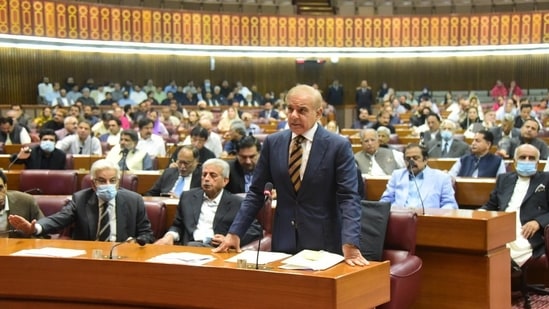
265 257
51 252
313 260
183 258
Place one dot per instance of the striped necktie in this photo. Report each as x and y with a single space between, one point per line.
296 154
104 230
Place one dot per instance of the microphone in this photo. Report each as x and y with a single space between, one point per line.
437 145
33 190
411 165
138 240
267 191
9 232
27 150
421 138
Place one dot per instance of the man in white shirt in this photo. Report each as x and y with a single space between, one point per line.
153 144
11 132
194 224
376 161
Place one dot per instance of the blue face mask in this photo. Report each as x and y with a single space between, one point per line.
446 135
47 146
106 192
526 168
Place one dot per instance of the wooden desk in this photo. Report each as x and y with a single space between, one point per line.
465 261
84 162
83 282
5 163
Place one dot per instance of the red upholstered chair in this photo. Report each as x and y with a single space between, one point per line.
69 163
48 182
265 218
50 204
399 248
129 182
156 212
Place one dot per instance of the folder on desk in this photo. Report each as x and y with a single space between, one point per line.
312 260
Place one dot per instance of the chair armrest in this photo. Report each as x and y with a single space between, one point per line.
406 267
265 244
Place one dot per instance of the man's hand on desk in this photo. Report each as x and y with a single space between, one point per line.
21 224
230 241
166 240
217 240
353 256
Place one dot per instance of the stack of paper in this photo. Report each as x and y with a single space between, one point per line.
51 252
265 257
183 258
313 260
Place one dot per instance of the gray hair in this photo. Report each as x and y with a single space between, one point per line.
225 169
239 127
526 146
104 164
383 129
363 132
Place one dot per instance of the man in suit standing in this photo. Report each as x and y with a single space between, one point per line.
15 203
242 169
448 146
205 214
419 185
319 208
185 176
103 212
364 97
526 193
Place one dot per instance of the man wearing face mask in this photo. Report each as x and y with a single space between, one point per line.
127 156
42 157
526 193
103 212
448 146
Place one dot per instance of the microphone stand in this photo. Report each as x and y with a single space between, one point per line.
138 240
267 203
411 165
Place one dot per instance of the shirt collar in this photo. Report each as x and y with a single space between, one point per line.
216 199
309 134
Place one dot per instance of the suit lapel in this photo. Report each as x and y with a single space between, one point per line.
319 148
534 182
92 212
509 182
122 212
222 209
196 204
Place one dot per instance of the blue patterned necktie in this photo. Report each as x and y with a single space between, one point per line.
179 184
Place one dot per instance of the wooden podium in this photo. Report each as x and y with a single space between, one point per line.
465 261
131 282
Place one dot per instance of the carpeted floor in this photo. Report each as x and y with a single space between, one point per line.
537 301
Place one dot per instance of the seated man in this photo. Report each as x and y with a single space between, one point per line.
199 136
384 136
153 144
15 203
242 168
112 137
42 157
12 133
83 142
526 193
183 177
418 185
448 146
103 212
528 135
480 163
376 161
205 214
232 137
127 156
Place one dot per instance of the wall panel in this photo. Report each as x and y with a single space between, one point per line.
22 69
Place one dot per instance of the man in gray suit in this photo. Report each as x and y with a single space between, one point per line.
205 214
15 203
376 161
448 146
103 212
